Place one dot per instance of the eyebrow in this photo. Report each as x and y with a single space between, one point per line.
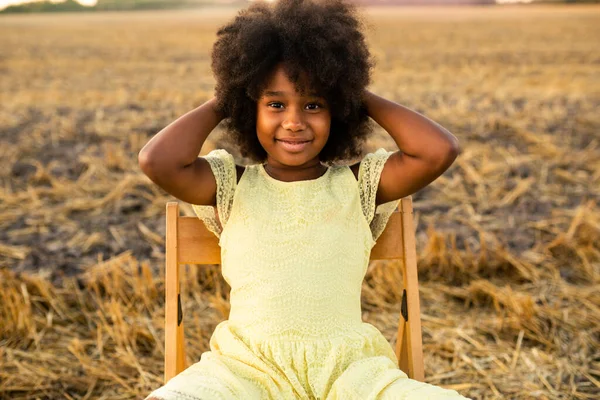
270 93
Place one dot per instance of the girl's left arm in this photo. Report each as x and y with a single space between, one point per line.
426 148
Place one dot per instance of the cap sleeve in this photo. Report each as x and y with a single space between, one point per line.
369 172
222 165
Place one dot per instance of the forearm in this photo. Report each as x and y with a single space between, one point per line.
178 144
414 134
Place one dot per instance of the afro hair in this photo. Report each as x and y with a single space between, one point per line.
318 39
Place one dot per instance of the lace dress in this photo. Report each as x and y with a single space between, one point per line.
295 255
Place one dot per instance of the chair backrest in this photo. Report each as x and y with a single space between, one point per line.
189 242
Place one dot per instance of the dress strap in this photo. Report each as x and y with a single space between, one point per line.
369 172
222 165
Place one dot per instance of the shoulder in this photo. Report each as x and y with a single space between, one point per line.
225 158
370 160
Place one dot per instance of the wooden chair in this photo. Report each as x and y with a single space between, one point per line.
189 242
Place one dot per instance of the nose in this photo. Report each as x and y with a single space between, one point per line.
293 121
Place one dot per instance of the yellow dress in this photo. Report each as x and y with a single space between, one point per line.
295 255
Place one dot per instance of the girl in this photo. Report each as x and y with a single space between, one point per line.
295 230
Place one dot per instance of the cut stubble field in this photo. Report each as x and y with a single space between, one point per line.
508 238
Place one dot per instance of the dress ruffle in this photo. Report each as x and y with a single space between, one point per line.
222 165
369 173
355 365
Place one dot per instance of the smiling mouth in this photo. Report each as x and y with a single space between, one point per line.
293 146
293 141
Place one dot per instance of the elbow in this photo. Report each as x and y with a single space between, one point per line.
143 159
453 153
454 149
448 155
145 163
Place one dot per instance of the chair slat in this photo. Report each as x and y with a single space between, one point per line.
197 245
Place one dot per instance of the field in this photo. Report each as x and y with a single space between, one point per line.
508 237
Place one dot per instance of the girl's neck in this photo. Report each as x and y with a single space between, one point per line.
291 174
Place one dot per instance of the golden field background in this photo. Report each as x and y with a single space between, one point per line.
508 237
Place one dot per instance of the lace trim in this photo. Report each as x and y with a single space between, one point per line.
222 165
369 173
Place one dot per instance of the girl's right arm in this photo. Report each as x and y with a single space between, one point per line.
170 159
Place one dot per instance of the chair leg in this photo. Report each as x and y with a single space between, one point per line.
411 308
173 330
409 350
174 340
180 339
402 348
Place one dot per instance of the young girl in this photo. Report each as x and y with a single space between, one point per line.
295 229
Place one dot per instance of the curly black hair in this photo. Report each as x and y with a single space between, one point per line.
318 39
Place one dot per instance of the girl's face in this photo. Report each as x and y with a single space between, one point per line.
293 129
